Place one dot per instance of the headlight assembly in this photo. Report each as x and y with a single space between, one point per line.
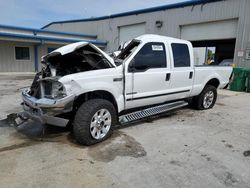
58 90
52 89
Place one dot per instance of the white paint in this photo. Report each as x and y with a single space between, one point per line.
77 45
148 83
70 48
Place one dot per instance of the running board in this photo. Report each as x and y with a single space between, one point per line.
151 111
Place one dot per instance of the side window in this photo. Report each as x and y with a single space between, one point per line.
181 55
22 53
151 55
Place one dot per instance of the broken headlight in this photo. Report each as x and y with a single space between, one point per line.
52 89
57 90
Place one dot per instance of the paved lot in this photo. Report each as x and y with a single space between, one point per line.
185 148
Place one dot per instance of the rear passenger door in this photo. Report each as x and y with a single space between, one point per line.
182 73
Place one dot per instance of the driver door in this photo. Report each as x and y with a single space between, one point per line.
147 77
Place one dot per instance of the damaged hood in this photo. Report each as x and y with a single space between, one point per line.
75 46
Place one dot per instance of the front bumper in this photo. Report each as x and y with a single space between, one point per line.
45 110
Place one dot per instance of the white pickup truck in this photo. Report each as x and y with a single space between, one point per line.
80 83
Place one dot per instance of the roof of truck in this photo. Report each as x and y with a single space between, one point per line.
159 38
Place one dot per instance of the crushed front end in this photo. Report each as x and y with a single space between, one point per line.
46 100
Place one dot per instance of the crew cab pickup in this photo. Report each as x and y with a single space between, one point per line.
80 83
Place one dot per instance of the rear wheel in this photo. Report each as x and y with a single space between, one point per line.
94 121
206 99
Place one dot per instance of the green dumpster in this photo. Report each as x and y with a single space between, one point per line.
238 80
248 80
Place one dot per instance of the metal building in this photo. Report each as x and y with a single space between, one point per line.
21 48
221 25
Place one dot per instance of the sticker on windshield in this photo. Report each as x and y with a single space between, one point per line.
157 47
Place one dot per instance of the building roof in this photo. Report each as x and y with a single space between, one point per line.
43 36
135 12
46 31
42 39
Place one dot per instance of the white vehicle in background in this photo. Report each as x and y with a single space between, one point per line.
152 75
226 62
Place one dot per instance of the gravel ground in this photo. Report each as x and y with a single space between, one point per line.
184 148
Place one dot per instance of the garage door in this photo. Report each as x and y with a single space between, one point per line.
129 32
208 31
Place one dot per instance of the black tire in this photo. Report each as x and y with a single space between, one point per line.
197 101
83 117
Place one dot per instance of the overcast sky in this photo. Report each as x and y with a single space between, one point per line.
37 13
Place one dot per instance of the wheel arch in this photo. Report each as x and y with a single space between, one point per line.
214 82
97 94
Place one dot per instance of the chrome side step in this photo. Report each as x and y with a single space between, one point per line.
151 111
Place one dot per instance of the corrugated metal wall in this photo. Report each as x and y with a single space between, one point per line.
8 62
173 20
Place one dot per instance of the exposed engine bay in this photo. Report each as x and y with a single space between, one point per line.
56 65
83 59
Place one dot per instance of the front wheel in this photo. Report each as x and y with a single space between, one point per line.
94 121
206 99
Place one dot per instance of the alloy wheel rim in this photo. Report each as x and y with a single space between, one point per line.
208 99
100 124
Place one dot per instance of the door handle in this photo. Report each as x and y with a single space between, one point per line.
191 75
167 77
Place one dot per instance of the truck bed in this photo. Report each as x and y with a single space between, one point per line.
206 73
